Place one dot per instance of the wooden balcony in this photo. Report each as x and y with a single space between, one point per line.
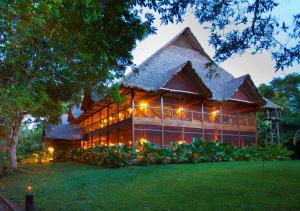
153 115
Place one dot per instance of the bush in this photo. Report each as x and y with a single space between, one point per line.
198 151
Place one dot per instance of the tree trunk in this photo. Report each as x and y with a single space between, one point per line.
12 147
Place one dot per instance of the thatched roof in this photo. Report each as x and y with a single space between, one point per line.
233 85
182 53
183 48
270 105
68 132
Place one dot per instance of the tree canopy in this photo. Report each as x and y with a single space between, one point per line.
52 51
236 26
286 93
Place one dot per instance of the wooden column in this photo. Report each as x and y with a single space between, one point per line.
92 141
202 119
118 123
132 118
238 118
100 129
162 119
221 121
107 120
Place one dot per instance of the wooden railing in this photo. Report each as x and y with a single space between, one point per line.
154 112
110 120
169 114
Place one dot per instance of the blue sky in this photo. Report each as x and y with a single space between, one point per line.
259 66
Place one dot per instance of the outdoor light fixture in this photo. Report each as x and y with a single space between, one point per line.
179 110
29 188
181 142
29 199
213 115
143 141
51 150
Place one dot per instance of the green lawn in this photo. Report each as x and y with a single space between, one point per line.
213 186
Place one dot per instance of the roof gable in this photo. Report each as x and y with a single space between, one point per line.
180 82
243 89
185 78
241 94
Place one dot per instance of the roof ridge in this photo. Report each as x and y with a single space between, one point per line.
185 30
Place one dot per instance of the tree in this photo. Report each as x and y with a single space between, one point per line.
236 26
286 93
52 51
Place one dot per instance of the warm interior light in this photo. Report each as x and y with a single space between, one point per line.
144 104
213 115
215 112
51 150
181 142
120 143
130 110
143 141
110 144
179 110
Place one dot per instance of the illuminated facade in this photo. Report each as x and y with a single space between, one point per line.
173 98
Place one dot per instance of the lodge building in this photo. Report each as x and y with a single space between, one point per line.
171 97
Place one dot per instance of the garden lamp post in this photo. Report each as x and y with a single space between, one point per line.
29 199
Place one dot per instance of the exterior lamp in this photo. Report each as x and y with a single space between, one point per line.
29 189
181 142
143 141
51 150
178 110
29 198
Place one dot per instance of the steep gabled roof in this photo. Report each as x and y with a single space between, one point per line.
183 54
181 49
234 85
188 70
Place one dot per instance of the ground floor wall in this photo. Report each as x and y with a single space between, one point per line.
127 133
164 136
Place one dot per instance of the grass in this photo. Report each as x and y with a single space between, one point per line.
206 186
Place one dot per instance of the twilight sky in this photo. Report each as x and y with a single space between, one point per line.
259 66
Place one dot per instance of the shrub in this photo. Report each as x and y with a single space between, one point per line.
198 150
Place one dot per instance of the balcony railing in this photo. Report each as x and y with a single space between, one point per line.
170 114
154 112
